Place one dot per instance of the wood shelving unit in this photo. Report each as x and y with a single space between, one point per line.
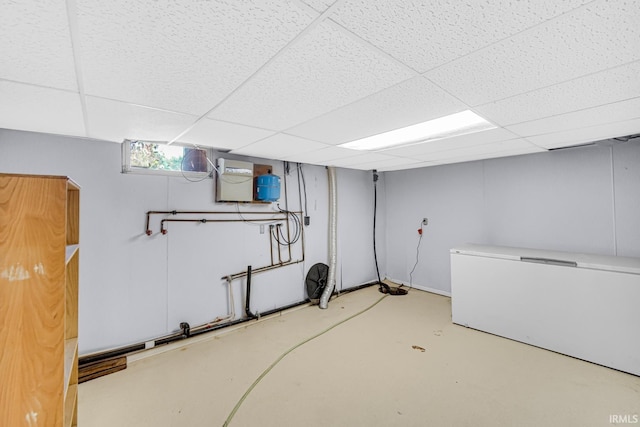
39 260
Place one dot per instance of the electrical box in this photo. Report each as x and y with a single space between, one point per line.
234 181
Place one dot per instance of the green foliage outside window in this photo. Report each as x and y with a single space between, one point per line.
150 155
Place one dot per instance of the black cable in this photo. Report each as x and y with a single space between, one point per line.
297 228
304 186
184 157
381 286
296 233
417 256
300 190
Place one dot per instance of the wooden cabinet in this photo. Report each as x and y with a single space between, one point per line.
39 254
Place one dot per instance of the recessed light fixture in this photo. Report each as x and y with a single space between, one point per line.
449 126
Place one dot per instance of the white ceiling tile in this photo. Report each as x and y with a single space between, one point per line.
38 109
279 146
223 135
116 121
462 141
35 44
596 37
610 113
517 146
324 70
587 134
412 101
182 55
323 155
424 34
608 86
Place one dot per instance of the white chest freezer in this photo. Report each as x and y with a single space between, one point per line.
585 306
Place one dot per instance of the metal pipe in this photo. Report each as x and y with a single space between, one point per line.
247 300
203 329
262 269
333 238
286 207
278 241
271 242
175 212
163 230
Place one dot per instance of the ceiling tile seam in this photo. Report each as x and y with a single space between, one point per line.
581 127
331 158
372 47
287 130
278 133
575 111
302 5
284 132
74 35
164 110
75 92
516 137
378 161
545 22
315 23
244 125
534 144
475 157
604 70
146 107
469 107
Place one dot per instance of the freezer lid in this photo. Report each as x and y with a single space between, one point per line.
569 259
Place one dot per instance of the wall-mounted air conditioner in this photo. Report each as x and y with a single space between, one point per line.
234 181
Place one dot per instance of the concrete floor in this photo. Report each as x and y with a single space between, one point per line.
365 372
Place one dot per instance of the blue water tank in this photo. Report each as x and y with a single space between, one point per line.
268 187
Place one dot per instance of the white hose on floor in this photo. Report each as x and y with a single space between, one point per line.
333 238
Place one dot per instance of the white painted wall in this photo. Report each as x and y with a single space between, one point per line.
581 200
135 287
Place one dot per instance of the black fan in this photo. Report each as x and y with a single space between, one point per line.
316 281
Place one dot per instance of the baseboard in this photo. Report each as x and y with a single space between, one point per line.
422 288
154 351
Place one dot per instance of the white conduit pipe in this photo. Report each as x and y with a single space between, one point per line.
333 238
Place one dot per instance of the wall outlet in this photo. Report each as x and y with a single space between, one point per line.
261 228
425 221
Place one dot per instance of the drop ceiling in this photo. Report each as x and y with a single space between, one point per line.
291 80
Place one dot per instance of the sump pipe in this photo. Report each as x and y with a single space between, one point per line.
207 327
333 238
247 300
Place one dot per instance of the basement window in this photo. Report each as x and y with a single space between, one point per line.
163 159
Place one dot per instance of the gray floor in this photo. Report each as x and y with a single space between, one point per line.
368 371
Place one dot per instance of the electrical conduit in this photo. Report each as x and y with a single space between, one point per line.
333 238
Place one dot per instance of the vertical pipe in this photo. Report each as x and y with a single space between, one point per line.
271 242
286 207
333 238
278 241
247 300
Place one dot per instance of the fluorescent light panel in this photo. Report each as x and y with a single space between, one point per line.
457 124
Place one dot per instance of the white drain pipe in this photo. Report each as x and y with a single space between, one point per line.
333 238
